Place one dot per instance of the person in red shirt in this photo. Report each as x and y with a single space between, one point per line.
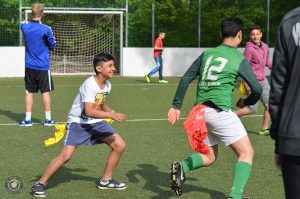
158 48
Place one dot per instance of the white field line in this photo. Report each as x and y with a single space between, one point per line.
77 85
131 120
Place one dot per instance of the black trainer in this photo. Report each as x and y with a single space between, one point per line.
111 184
38 190
177 178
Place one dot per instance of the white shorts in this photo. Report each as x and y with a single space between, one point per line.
223 126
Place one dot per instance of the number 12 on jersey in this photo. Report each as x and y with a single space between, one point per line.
209 68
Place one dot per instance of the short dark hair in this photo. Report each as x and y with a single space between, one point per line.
231 26
100 58
254 27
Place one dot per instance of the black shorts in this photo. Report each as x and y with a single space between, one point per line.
36 80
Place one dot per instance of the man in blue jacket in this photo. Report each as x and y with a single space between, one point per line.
39 41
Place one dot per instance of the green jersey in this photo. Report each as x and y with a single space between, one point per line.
217 70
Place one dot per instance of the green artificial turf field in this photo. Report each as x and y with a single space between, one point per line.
152 144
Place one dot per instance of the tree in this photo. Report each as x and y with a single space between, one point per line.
9 23
178 18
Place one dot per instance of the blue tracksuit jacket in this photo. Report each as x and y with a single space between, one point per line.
39 40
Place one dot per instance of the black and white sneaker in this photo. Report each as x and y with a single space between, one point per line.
111 184
38 190
177 178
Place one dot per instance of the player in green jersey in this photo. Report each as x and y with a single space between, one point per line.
217 70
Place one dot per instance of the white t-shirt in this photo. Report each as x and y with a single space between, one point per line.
89 91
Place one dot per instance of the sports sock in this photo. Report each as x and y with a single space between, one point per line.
192 162
48 115
41 183
241 175
105 182
28 116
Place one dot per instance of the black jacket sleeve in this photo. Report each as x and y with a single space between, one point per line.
186 79
246 73
279 83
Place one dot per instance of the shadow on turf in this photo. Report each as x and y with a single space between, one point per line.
66 175
153 81
141 81
17 116
253 132
157 180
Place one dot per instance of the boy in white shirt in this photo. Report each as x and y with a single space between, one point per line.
87 127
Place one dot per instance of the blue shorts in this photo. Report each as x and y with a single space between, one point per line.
87 134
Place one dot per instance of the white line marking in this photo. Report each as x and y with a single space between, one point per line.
77 85
132 120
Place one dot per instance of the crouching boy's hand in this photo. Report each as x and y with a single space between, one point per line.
119 117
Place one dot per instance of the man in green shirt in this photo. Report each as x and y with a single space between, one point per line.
217 71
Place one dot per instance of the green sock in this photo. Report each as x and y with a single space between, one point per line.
194 161
241 175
